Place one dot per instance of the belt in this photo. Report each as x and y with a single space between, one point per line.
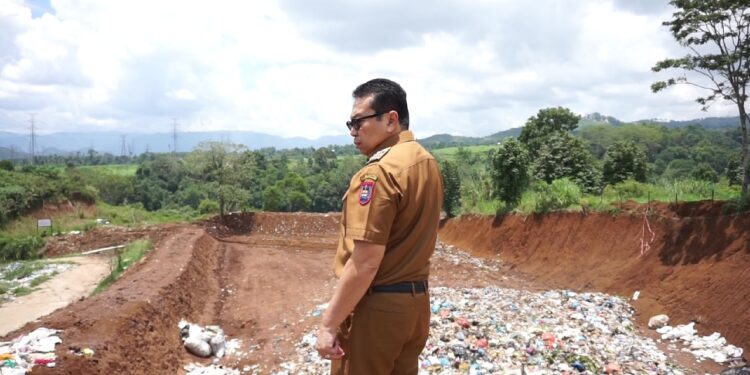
404 287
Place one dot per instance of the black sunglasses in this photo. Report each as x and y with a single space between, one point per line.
356 123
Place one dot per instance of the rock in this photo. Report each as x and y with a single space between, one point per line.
658 321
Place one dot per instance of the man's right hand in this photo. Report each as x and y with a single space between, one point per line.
328 345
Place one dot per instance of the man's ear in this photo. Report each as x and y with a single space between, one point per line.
393 120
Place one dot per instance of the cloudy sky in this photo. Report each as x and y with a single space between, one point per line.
287 67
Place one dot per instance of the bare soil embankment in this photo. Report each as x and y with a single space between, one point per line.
696 269
259 276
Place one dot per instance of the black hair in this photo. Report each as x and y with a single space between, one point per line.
386 96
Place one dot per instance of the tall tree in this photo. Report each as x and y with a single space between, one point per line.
547 122
510 171
451 188
219 164
717 33
563 155
624 160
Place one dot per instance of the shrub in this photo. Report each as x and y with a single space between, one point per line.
208 206
560 194
629 189
19 247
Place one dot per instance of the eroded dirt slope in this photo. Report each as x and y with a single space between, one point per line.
260 275
697 267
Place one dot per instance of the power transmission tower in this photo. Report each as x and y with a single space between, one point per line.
174 135
32 141
123 146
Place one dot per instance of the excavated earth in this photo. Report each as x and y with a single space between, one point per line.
259 276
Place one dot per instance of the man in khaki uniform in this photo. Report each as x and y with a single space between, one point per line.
377 321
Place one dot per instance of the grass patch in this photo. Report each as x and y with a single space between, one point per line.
64 221
5 286
611 199
450 152
135 215
131 254
22 291
41 279
112 169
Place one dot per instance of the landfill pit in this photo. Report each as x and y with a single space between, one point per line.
265 278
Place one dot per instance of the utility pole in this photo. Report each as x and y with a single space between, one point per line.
174 136
32 141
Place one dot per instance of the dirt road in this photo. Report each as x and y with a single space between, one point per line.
71 285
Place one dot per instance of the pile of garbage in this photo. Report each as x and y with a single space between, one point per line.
496 330
712 346
451 254
202 341
37 348
206 342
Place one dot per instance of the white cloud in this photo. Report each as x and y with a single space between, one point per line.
288 67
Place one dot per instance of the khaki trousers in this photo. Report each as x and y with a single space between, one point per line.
385 335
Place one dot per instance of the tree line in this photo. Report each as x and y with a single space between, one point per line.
552 148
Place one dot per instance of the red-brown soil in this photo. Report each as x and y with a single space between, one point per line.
696 269
260 275
100 237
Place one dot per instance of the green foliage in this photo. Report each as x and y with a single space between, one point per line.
624 160
510 171
629 189
544 197
21 291
273 199
733 171
547 122
678 169
298 201
39 280
717 33
220 164
21 191
208 206
451 188
19 247
115 189
704 172
563 155
7 165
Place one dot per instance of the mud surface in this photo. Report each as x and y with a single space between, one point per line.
260 275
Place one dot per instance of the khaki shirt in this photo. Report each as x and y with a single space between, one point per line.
394 200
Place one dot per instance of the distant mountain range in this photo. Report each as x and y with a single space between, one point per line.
15 145
117 143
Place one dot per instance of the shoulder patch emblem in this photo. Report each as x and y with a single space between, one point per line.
373 177
365 191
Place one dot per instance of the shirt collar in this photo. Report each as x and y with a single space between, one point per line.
401 137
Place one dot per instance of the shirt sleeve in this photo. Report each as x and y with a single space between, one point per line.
371 206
